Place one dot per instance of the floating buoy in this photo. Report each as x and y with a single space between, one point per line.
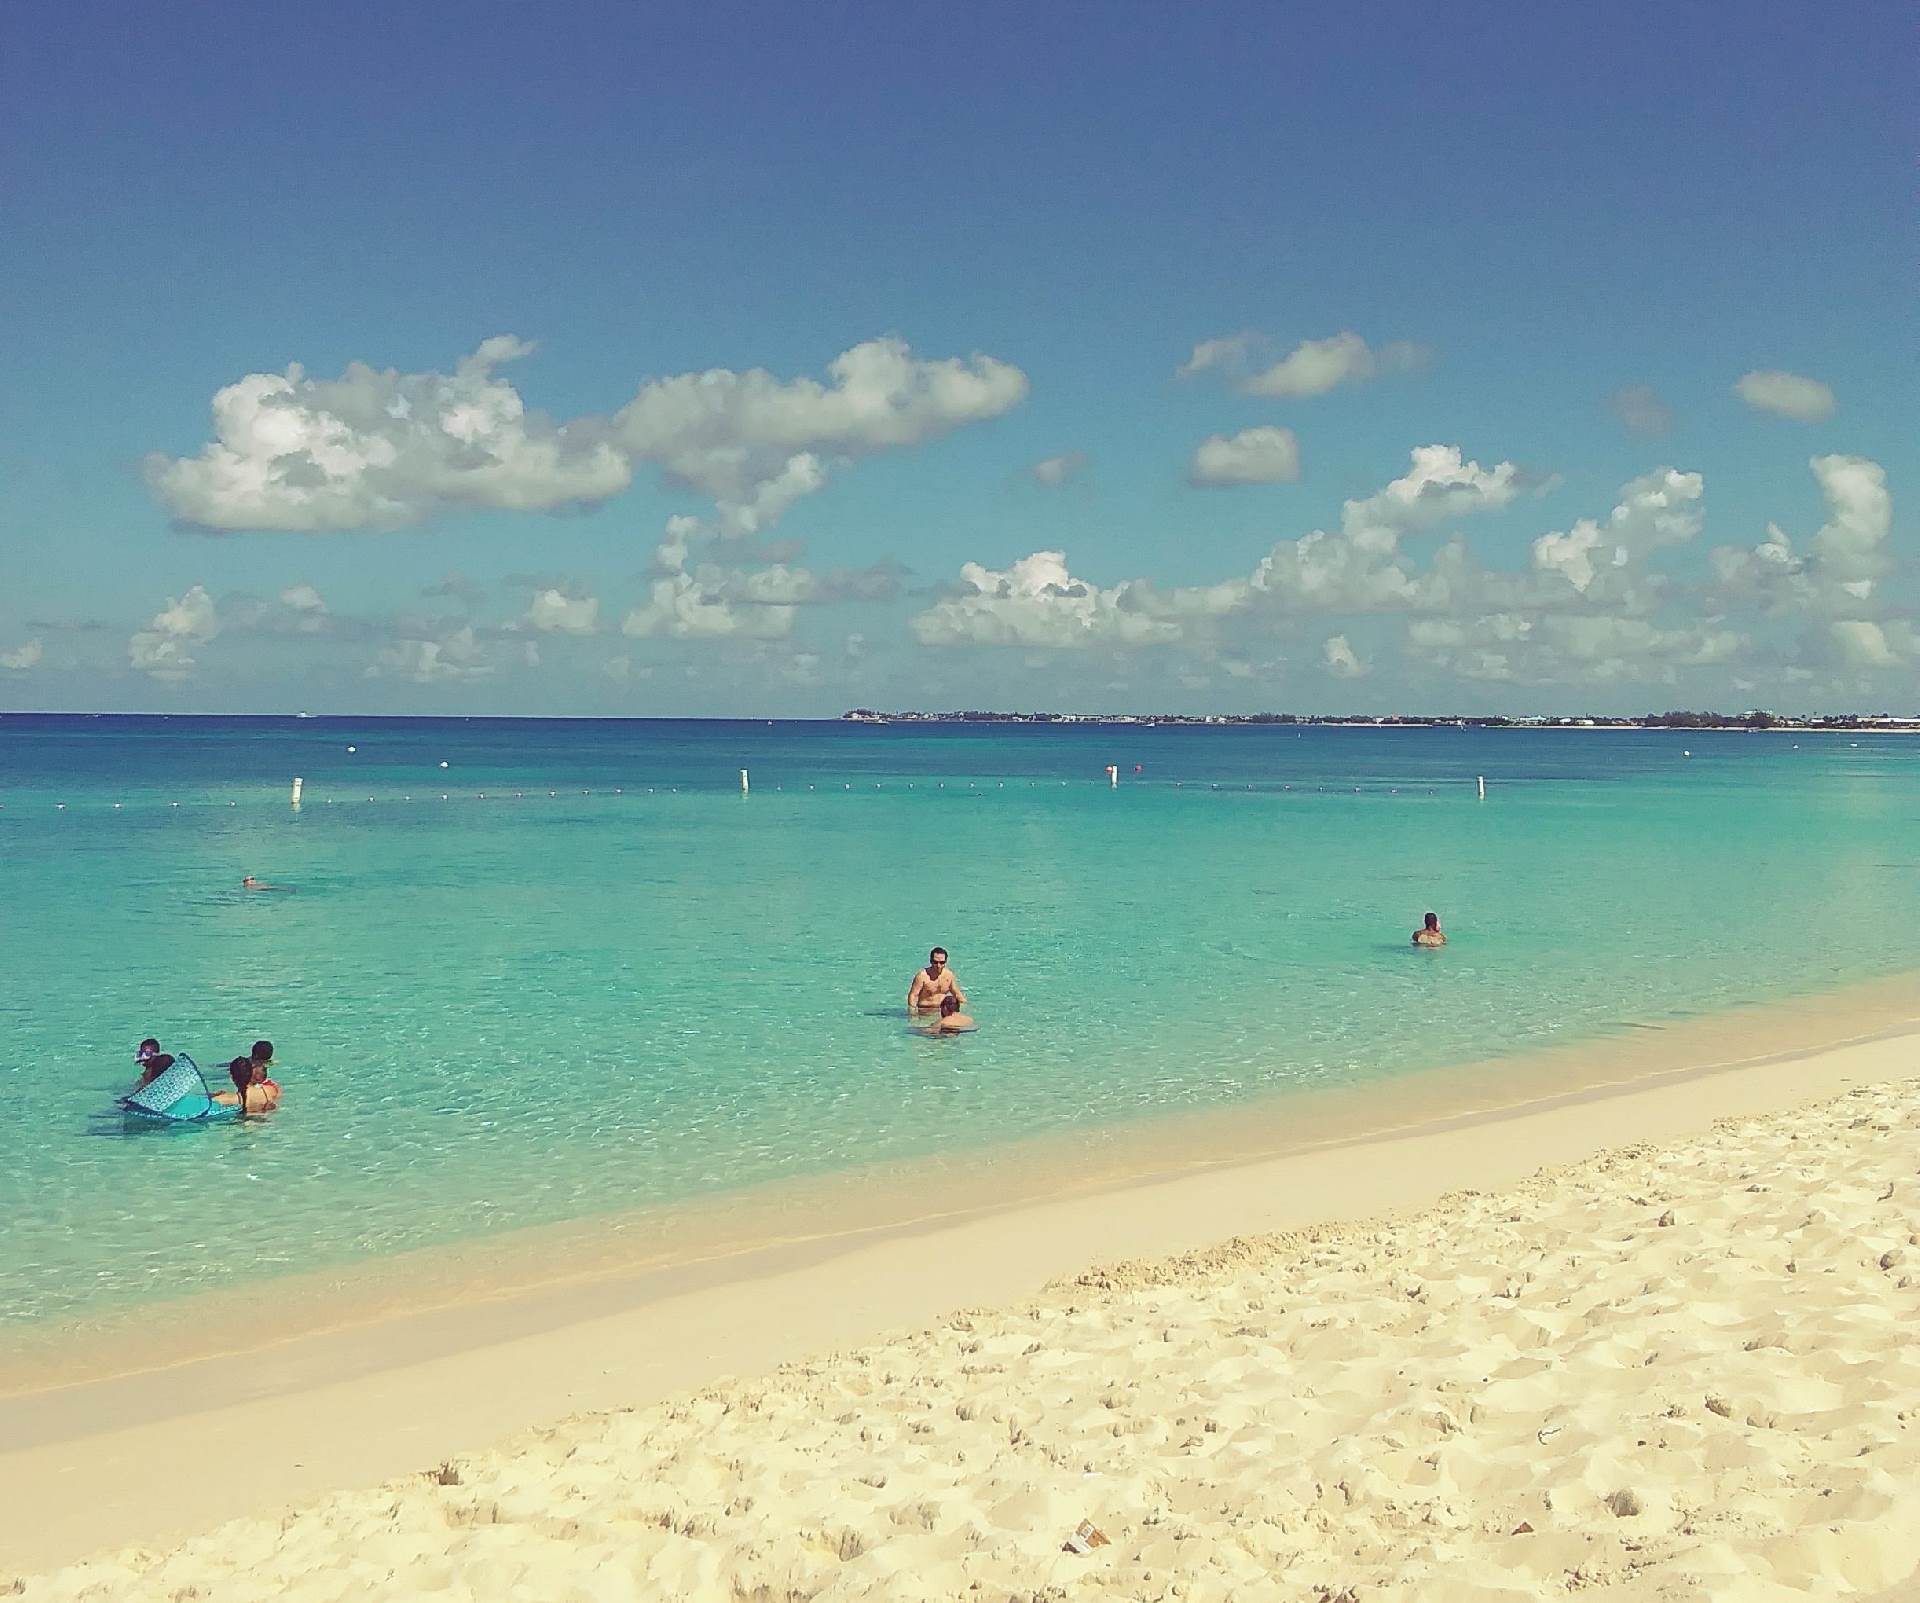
353 748
743 782
443 765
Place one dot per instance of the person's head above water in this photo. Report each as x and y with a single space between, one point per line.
148 1048
949 1005
262 1052
242 1070
1433 921
936 959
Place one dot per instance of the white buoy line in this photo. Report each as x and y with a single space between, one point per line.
1109 779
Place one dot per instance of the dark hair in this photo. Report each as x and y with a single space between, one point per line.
149 1042
262 1052
1433 921
949 1005
242 1071
938 951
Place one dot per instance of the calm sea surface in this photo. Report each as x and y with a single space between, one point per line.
615 981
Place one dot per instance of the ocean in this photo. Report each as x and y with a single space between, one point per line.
535 971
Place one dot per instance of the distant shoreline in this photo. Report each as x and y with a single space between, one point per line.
1837 723
1669 723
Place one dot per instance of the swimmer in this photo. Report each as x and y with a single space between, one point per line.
1428 934
249 883
152 1065
149 1050
932 984
951 1021
262 1057
250 1093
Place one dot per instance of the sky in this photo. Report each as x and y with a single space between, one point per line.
771 360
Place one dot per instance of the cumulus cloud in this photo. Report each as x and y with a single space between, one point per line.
1594 558
378 449
22 657
303 598
1863 643
1789 395
457 657
554 609
1037 603
1640 408
1054 471
713 605
1264 455
1845 559
1567 648
1313 367
164 650
1341 660
1230 351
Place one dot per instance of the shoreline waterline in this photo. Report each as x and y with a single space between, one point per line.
538 1278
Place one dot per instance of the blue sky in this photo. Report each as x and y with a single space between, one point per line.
1528 326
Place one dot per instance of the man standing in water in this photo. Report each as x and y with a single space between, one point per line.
1429 933
934 983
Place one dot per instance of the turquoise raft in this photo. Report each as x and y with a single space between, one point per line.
178 1096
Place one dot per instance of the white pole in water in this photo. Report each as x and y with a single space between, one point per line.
743 782
1113 776
297 783
1483 787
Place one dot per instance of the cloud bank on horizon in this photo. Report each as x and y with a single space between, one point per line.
1591 606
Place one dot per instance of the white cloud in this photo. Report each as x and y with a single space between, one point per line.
1340 659
303 598
1054 471
1845 560
555 610
22 657
1037 603
164 650
1640 408
380 449
1263 455
706 606
754 443
1314 367
1657 509
1231 351
1563 648
457 657
1790 395
1864 644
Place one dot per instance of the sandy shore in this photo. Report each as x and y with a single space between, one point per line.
1678 1371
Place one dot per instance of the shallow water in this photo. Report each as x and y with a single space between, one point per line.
616 981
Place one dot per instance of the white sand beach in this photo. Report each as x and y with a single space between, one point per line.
1669 1371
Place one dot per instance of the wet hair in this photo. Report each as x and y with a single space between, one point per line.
949 1005
150 1042
939 952
242 1071
262 1052
1433 921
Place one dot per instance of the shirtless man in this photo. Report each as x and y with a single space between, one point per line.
1428 934
934 983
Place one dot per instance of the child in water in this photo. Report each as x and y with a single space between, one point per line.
262 1058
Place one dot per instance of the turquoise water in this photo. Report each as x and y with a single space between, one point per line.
539 1007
